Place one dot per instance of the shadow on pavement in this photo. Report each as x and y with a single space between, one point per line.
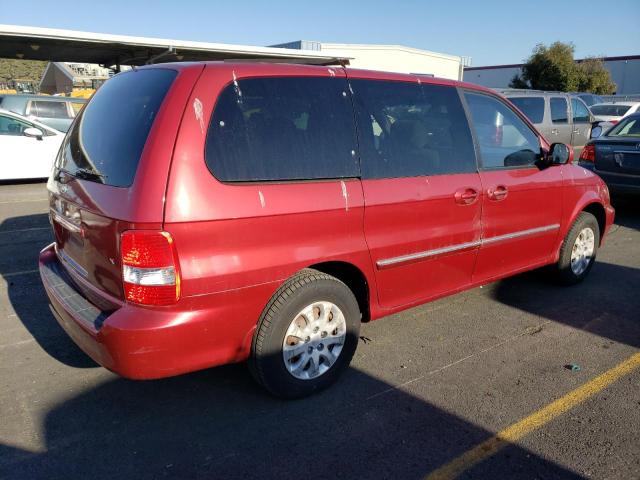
606 303
18 265
219 424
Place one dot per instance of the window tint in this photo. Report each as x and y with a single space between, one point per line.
532 107
558 110
49 109
580 111
409 129
292 128
610 110
12 126
504 139
106 141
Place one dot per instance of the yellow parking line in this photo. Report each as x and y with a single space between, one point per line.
536 420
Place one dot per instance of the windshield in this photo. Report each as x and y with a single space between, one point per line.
629 127
610 110
590 99
106 141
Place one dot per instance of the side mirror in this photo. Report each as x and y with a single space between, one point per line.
596 131
559 154
33 132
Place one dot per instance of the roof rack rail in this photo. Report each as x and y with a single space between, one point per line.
338 61
529 90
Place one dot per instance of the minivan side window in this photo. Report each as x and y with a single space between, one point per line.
580 111
411 129
558 110
283 128
504 139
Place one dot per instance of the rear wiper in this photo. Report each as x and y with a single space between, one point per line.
88 174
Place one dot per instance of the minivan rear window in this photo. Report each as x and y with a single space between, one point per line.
532 107
106 141
282 128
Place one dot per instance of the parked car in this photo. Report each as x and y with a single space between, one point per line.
560 117
28 147
589 98
614 112
615 156
209 213
55 112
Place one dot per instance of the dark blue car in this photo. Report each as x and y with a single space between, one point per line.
615 156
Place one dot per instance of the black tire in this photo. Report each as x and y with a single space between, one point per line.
563 271
266 362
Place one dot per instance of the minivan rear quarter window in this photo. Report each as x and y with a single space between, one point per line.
106 141
283 128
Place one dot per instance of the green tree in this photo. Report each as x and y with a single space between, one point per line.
550 68
553 68
594 77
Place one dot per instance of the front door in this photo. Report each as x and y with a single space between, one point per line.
421 188
560 125
23 157
521 202
581 126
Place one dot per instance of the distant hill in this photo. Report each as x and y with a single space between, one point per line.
30 70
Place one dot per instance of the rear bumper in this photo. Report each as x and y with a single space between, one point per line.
143 343
616 182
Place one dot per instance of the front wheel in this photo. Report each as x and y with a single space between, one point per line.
579 249
306 336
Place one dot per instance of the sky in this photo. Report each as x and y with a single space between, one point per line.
491 32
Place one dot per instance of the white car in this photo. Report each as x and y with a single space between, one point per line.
27 147
613 112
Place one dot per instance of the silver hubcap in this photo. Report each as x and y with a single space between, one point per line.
314 340
582 251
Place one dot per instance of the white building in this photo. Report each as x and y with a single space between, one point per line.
390 58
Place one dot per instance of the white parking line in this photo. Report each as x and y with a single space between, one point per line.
23 272
25 201
25 230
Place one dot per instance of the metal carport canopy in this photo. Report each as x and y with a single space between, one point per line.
35 43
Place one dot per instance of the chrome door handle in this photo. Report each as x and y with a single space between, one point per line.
554 131
466 196
576 131
498 193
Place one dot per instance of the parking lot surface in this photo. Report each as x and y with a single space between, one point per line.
475 385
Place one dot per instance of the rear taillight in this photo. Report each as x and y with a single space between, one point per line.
150 270
588 154
613 122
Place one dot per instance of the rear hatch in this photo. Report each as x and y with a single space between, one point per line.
111 172
618 155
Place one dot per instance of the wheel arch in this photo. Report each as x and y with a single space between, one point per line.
354 278
597 210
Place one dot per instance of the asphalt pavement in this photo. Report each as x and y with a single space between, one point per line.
476 385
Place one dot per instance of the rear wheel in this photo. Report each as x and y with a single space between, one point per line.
306 336
579 249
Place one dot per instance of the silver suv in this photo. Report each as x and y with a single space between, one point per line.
561 117
54 112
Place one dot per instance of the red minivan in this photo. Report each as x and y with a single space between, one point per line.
208 213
